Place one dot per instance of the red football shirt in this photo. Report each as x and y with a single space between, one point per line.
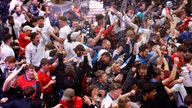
44 80
23 82
185 24
180 59
22 43
78 102
106 32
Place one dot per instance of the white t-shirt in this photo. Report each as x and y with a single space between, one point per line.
64 31
21 18
16 27
71 53
44 31
107 102
13 3
186 73
34 54
166 11
6 51
112 19
101 51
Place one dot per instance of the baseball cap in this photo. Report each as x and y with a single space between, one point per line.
74 35
140 15
25 28
169 4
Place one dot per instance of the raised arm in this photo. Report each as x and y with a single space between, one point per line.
127 21
13 75
55 63
26 16
131 60
173 24
173 73
131 93
52 34
180 7
59 71
161 54
98 37
149 8
28 55
84 68
38 86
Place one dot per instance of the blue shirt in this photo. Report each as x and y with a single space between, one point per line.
33 10
185 35
144 60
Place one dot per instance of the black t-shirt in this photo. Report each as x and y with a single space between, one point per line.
150 104
23 103
162 97
13 94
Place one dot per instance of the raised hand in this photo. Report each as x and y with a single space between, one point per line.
35 75
87 100
176 60
51 82
4 100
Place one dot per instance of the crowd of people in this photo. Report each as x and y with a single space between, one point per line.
135 57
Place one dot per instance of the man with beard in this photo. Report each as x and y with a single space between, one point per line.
19 16
142 73
79 51
14 27
46 30
102 62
